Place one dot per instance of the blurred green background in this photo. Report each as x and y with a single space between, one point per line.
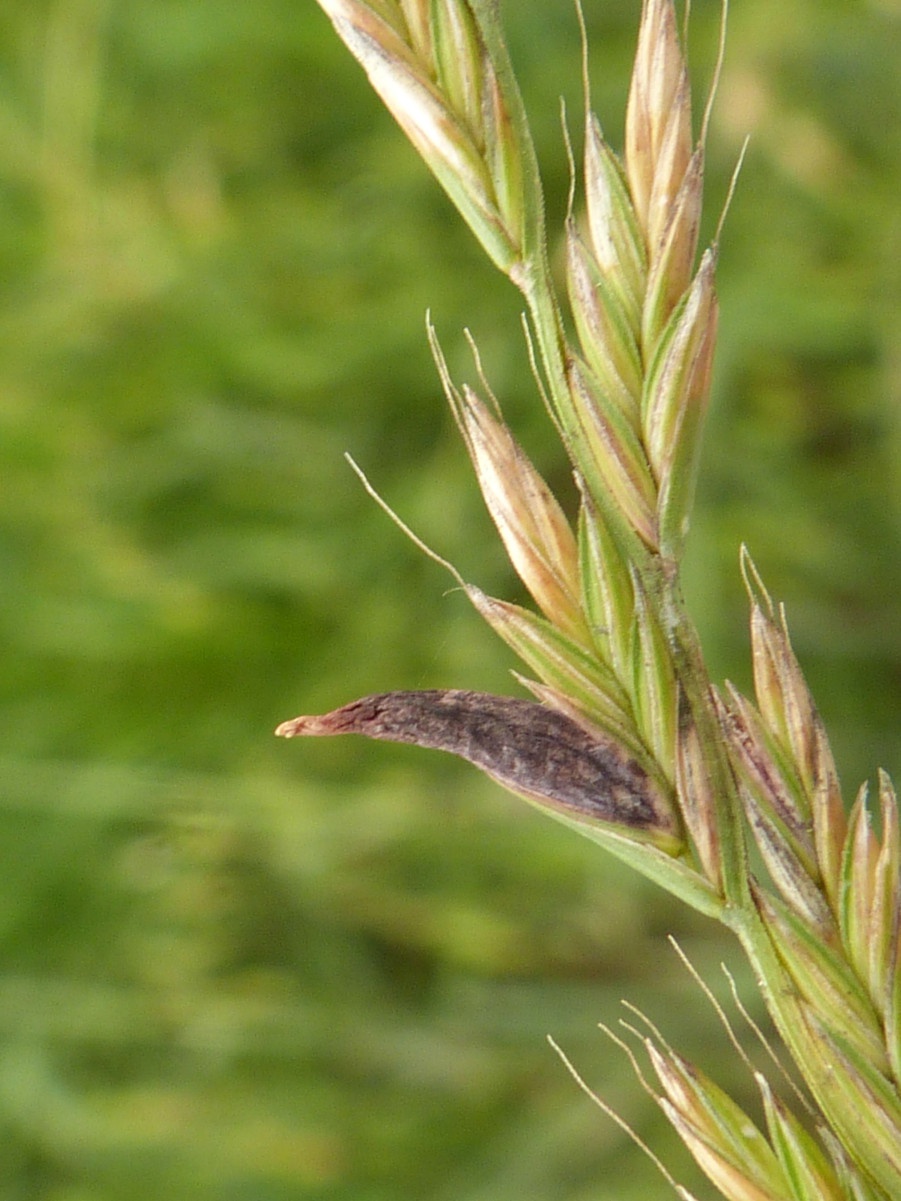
239 969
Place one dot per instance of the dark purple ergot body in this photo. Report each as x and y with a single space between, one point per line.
530 748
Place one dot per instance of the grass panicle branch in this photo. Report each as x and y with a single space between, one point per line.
627 740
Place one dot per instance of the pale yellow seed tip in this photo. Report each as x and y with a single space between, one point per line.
290 729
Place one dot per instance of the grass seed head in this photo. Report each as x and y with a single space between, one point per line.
627 703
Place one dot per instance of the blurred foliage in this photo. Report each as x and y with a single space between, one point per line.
234 968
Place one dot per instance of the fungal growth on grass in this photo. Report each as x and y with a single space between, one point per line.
530 748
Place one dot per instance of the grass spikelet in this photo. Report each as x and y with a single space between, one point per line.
790 715
606 589
606 334
655 687
616 237
670 273
868 1101
558 661
697 797
870 912
856 913
610 457
679 363
433 82
658 121
765 774
885 932
804 1164
536 534
725 1142
825 981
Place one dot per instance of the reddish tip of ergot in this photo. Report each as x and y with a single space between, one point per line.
290 729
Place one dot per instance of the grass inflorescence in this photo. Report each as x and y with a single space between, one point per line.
627 739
